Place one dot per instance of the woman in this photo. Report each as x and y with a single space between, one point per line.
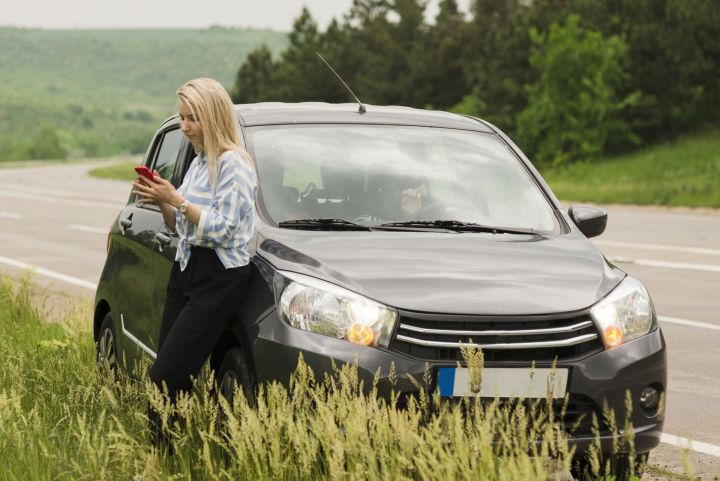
212 212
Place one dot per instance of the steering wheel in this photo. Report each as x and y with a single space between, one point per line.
310 188
441 211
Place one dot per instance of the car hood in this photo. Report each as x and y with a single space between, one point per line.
453 273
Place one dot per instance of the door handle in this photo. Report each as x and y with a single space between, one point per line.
125 223
162 240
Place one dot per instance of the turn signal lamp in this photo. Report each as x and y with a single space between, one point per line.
360 334
613 336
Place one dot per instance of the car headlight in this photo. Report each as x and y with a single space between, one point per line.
318 306
626 313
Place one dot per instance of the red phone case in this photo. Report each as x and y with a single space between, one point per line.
145 172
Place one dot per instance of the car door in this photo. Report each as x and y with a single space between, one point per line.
166 242
139 246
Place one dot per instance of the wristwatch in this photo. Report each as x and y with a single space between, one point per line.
183 207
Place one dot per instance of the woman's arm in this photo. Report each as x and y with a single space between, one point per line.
168 213
163 194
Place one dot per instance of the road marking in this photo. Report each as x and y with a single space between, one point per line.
10 215
686 322
55 193
659 247
48 273
666 264
55 200
685 443
87 228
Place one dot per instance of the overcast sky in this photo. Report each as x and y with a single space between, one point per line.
274 14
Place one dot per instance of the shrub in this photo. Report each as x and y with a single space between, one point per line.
573 108
47 146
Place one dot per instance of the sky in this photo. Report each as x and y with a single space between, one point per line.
273 14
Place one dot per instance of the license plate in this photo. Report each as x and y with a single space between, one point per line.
504 382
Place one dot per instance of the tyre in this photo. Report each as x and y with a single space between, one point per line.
618 465
235 373
106 346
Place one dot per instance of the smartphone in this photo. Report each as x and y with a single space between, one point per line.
145 172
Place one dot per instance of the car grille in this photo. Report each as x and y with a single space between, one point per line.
502 338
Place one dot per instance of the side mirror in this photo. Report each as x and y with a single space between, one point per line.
590 220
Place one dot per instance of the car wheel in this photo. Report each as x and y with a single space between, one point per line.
234 372
620 466
106 347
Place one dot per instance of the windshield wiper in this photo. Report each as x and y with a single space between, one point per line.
323 224
456 225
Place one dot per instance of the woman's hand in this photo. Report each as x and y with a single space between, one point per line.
410 202
157 191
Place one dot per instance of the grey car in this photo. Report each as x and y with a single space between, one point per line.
345 270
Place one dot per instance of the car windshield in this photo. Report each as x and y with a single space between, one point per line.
373 175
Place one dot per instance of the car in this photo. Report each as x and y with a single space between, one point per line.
393 236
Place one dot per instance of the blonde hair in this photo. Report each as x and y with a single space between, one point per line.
212 108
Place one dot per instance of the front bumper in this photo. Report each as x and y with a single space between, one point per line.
605 378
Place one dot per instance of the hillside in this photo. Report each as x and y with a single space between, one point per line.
101 92
682 172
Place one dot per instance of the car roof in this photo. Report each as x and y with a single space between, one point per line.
276 113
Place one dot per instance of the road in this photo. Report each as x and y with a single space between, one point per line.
56 218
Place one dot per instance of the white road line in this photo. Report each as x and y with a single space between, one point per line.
48 273
87 228
55 200
686 322
685 443
55 193
666 264
10 215
658 247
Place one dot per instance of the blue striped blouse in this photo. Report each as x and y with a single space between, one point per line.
227 218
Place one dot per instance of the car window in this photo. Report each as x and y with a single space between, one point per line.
167 154
362 173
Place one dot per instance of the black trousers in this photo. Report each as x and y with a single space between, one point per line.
201 301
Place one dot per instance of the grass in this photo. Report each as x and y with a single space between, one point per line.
63 418
684 172
119 171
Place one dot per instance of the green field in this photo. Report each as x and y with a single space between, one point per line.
119 171
62 418
684 172
104 92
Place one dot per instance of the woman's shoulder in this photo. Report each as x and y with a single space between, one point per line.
236 161
234 155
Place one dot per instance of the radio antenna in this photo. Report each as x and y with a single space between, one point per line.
361 107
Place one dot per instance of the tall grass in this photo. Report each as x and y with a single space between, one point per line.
684 172
63 418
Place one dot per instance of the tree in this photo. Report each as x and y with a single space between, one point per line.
255 80
301 75
573 106
47 146
674 61
498 48
445 58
